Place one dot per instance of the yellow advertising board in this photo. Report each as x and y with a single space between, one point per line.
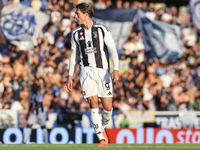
137 118
123 65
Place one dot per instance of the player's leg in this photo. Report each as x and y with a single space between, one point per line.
106 115
45 134
105 92
107 111
31 120
90 89
96 119
28 133
42 122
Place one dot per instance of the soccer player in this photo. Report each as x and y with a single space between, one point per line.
2 37
92 40
36 113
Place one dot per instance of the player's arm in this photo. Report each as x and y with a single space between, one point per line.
40 102
115 60
30 111
73 61
38 106
113 52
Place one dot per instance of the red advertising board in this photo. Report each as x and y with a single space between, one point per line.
153 135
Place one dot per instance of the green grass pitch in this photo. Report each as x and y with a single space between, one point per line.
93 147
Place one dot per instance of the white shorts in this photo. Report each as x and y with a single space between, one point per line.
37 119
96 81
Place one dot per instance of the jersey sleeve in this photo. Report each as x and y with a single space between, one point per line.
74 55
108 37
114 55
110 43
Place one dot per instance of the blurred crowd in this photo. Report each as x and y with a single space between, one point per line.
147 84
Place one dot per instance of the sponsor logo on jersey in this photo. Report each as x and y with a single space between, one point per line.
89 48
95 34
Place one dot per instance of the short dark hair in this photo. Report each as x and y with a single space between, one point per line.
35 85
85 8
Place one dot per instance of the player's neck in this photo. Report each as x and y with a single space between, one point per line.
88 24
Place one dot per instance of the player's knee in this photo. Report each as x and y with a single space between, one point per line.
108 108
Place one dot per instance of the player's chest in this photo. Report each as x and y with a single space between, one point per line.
89 35
34 98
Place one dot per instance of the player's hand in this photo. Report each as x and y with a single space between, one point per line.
115 75
69 83
28 115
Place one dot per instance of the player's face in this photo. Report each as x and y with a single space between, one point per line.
34 88
80 17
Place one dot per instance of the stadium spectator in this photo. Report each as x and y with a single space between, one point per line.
100 4
126 4
109 4
119 4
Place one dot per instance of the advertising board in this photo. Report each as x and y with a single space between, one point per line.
61 135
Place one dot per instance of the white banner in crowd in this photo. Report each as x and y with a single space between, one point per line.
21 23
8 118
162 40
194 7
118 22
119 31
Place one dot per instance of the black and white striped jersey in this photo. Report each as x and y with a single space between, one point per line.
92 45
35 99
